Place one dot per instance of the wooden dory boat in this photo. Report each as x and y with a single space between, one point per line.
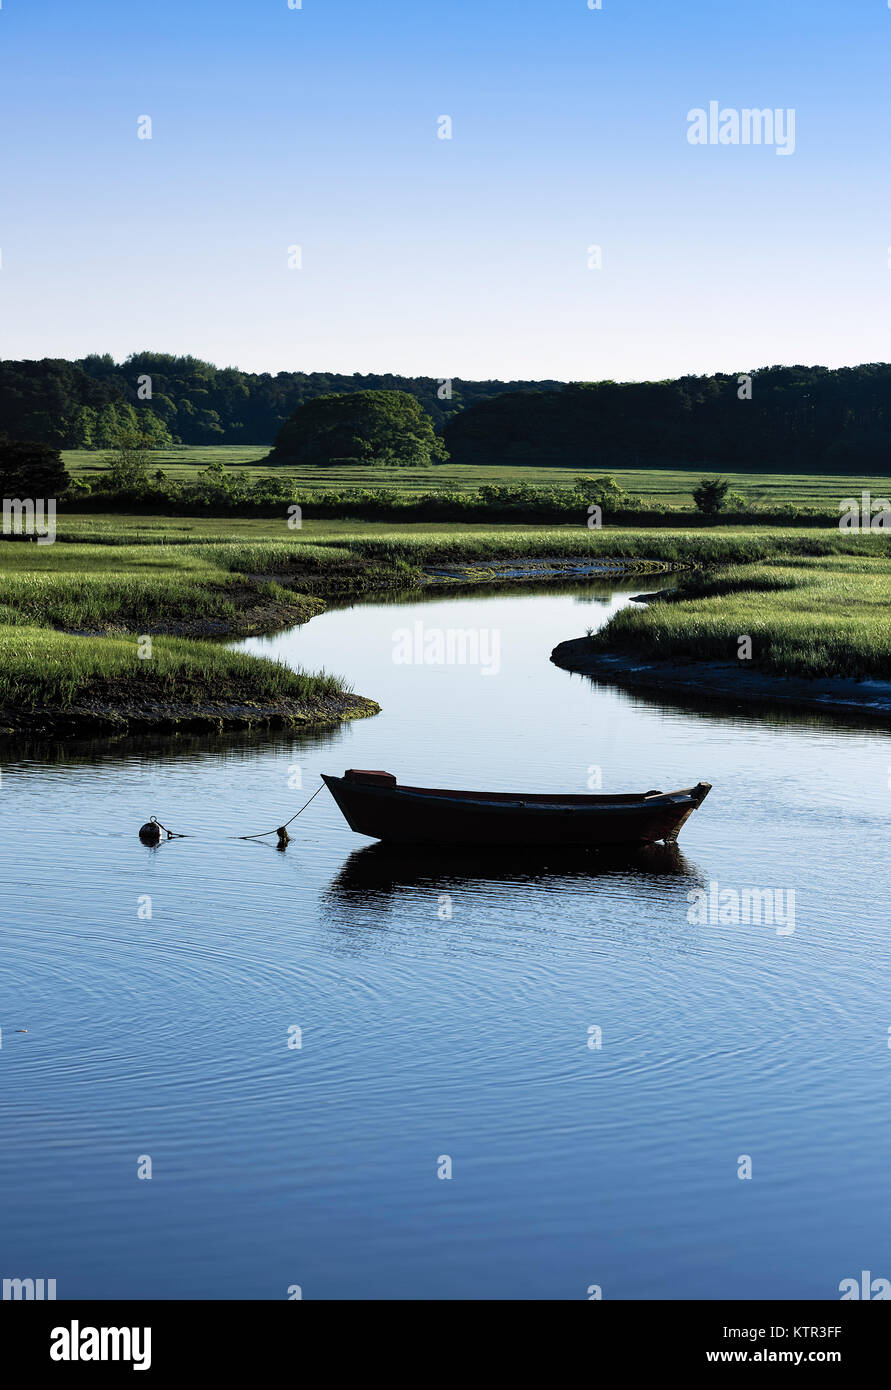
373 803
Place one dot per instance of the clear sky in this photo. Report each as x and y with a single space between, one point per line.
317 127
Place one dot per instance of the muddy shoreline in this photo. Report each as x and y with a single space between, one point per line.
527 569
133 716
726 683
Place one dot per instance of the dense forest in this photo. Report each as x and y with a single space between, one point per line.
84 404
805 419
798 419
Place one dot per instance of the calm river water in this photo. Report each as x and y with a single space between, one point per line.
447 1008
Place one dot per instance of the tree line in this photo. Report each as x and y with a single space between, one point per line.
86 404
798 419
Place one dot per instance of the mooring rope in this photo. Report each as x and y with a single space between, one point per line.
259 835
279 828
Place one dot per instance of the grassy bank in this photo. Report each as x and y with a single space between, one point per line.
102 589
813 600
57 680
809 617
100 603
71 616
63 667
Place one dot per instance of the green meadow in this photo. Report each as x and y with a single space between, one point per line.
669 487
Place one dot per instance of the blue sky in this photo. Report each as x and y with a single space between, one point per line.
464 257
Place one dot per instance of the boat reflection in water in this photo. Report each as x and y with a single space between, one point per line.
380 873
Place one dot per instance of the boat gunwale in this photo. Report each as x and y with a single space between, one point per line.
525 801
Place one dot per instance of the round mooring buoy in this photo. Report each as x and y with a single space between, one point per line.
150 833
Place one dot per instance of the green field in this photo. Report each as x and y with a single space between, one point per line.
666 486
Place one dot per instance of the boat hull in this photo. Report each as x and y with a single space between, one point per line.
427 816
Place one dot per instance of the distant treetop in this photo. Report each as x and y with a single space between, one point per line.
371 427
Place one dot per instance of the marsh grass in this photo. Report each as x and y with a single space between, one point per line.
50 595
94 588
45 669
96 603
815 601
807 617
692 549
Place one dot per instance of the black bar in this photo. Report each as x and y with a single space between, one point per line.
252 1338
